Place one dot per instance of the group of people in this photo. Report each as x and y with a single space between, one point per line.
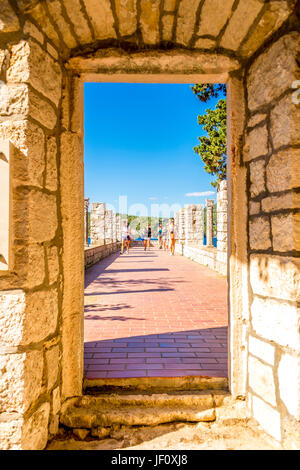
166 237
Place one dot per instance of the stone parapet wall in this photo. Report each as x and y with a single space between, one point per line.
208 256
93 254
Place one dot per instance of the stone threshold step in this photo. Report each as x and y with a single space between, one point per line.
147 409
157 383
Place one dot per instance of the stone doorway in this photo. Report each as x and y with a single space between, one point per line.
46 53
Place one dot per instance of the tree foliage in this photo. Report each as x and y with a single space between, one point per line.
212 148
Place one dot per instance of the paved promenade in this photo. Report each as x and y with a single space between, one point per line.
149 314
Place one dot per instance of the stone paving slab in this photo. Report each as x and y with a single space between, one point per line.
149 314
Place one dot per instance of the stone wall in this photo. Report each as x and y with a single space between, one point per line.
96 253
271 156
31 284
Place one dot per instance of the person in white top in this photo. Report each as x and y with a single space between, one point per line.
125 237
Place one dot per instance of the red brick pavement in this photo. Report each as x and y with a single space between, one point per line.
149 314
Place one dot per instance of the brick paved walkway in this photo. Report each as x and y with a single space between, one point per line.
149 314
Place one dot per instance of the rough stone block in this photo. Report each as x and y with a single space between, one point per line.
286 232
256 143
213 18
289 383
10 431
268 417
285 123
285 201
259 233
30 64
42 216
35 430
12 308
275 276
56 404
283 170
41 315
257 177
36 266
276 321
42 111
261 380
185 21
100 14
262 350
276 13
240 23
33 31
167 27
254 208
149 20
55 10
52 364
274 71
126 13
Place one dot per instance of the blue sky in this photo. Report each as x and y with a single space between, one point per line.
138 143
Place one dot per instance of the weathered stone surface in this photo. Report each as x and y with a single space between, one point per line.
169 5
267 417
33 375
262 350
41 315
8 21
257 177
149 20
42 223
12 382
30 64
12 308
186 20
54 425
240 22
52 51
51 164
53 264
289 200
10 431
276 13
39 14
33 31
213 18
13 100
42 111
274 71
276 321
126 13
30 160
286 232
256 143
52 363
289 383
254 207
100 14
36 266
283 170
167 27
35 431
55 10
259 233
261 380
78 19
256 119
275 276
285 123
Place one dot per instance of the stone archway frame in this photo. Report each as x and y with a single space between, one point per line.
176 66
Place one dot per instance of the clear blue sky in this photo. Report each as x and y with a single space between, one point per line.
138 143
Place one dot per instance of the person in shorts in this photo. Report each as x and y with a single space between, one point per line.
124 234
147 237
160 236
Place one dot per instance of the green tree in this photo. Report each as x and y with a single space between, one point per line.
212 148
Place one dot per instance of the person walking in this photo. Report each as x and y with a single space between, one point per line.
124 234
165 237
172 236
160 237
147 237
128 238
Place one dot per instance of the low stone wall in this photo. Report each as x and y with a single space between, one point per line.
94 254
208 256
